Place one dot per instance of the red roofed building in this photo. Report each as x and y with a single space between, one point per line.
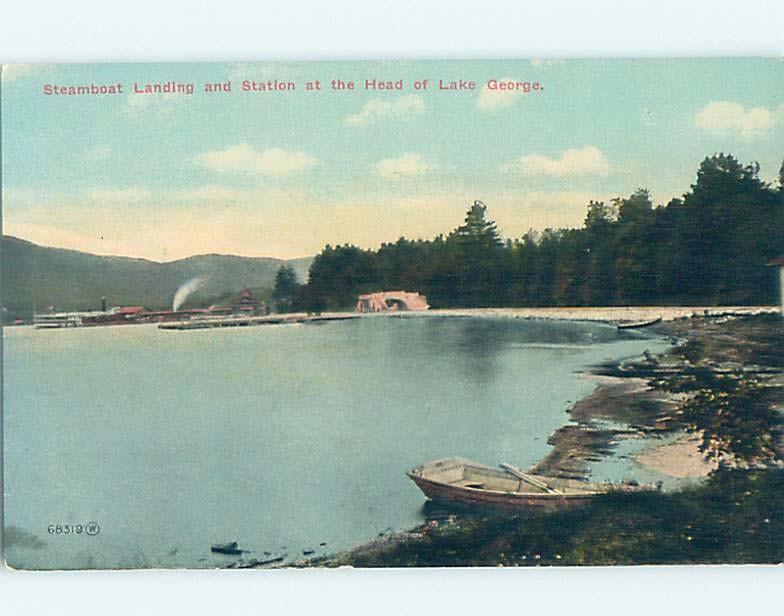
249 304
129 310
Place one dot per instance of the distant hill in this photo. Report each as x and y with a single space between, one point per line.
36 277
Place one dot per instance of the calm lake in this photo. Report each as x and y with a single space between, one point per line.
283 438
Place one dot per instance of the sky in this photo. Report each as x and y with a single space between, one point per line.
281 174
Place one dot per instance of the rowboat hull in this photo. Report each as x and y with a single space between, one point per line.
512 501
457 481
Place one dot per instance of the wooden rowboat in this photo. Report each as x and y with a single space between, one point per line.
464 482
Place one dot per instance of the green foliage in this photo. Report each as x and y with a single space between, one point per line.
734 517
727 229
600 217
710 247
477 262
287 292
337 275
477 233
733 411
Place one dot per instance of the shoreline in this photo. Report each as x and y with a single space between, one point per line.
613 315
680 458
607 314
628 402
624 395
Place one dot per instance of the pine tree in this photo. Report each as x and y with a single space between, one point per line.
477 231
477 261
286 288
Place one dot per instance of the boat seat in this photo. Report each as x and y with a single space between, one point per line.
469 483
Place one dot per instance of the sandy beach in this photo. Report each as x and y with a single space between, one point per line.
681 458
611 314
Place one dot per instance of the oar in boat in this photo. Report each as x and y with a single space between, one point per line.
529 478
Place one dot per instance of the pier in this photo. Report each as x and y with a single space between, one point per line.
249 321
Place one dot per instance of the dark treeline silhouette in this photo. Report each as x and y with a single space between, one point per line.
709 247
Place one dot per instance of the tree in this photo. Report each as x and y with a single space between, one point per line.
635 265
287 289
477 232
731 226
710 246
597 284
600 216
337 275
477 260
637 208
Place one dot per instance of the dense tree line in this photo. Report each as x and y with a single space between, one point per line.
708 247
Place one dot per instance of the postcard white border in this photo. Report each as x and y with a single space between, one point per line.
83 30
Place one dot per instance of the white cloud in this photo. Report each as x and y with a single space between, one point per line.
243 158
406 165
493 100
724 117
589 160
376 109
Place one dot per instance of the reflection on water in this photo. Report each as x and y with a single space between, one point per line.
476 344
284 438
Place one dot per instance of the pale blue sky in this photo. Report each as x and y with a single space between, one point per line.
282 174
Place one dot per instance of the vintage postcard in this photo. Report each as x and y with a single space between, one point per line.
393 314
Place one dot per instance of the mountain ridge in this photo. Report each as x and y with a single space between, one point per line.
35 277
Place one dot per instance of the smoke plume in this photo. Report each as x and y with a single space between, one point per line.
186 289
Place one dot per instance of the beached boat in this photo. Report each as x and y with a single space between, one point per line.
639 324
464 482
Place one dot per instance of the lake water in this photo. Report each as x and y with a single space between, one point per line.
282 438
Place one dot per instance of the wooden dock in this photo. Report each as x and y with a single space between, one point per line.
249 321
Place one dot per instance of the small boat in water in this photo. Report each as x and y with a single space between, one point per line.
639 324
464 482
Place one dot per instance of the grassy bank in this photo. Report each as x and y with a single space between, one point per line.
734 517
